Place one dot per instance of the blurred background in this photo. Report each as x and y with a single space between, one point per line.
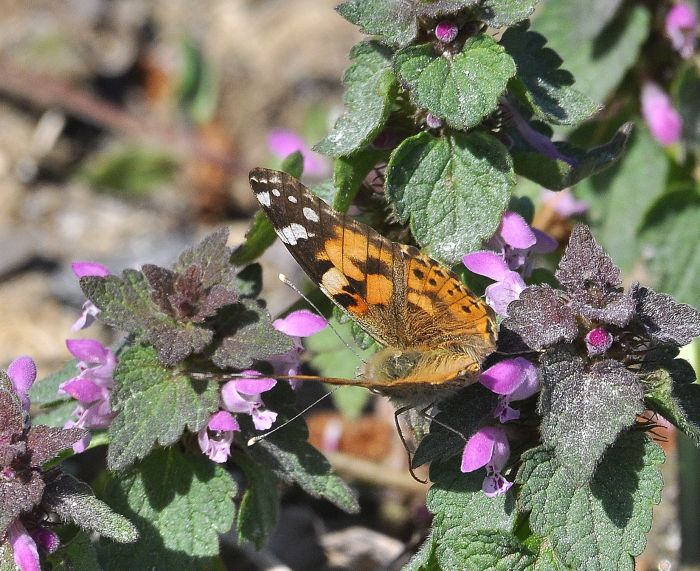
128 127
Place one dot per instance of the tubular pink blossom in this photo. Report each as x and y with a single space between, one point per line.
664 122
23 547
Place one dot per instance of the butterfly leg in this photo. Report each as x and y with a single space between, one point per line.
397 413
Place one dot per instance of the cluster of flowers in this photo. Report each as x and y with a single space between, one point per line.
96 363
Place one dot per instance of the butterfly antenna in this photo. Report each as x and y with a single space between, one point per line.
286 281
257 439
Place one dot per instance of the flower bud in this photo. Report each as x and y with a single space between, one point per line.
446 31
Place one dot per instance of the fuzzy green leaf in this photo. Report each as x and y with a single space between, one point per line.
547 87
248 282
465 411
45 391
78 553
180 503
461 89
671 240
674 395
453 190
154 404
370 89
259 507
602 525
556 174
349 173
685 90
584 409
75 502
500 13
486 549
597 58
249 336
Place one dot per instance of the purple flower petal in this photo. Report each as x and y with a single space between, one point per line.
23 547
495 485
544 244
83 390
283 142
234 401
46 539
254 384
222 421
263 419
503 412
598 341
501 449
90 351
301 323
504 377
681 28
516 232
530 383
486 263
217 448
500 294
22 373
87 317
664 122
563 202
83 269
479 450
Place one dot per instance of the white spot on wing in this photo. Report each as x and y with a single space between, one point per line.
275 180
275 191
293 233
264 198
310 214
292 199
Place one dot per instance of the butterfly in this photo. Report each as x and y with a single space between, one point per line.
434 330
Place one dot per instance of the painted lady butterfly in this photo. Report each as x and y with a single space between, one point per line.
435 331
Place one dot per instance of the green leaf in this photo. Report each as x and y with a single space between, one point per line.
461 89
248 336
249 281
671 240
131 171
258 511
198 91
547 87
293 459
154 404
673 393
391 19
626 191
485 549
501 13
78 553
261 235
452 189
180 503
56 415
685 88
45 391
601 525
370 89
75 502
126 303
349 173
556 174
598 59
465 411
584 409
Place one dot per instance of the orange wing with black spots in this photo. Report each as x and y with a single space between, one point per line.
401 297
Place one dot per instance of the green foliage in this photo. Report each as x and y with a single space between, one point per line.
370 88
463 88
433 183
556 174
685 90
78 553
45 391
600 525
179 502
131 171
154 404
499 13
349 173
598 57
198 92
546 87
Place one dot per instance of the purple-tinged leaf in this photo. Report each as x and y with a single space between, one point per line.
19 493
541 318
44 443
213 257
665 319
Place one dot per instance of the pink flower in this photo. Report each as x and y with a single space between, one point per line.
598 341
488 447
664 122
243 396
216 437
681 28
91 388
516 241
563 202
23 547
298 324
282 143
90 310
513 379
446 31
22 373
